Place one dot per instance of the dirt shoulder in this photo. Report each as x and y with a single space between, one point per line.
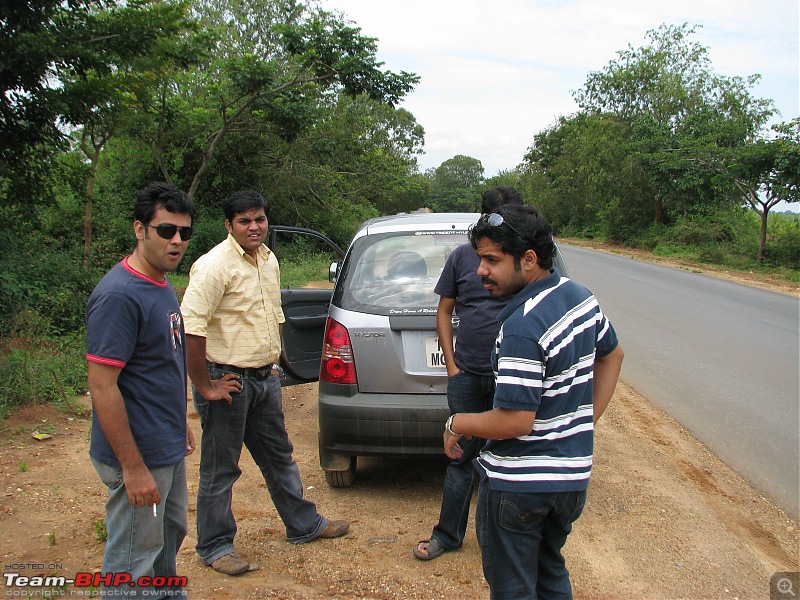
665 518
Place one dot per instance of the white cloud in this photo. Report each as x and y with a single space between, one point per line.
493 74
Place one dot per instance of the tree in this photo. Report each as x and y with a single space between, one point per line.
275 60
459 172
59 60
768 172
76 69
583 177
455 184
672 100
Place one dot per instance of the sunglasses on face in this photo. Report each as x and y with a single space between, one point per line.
168 230
495 220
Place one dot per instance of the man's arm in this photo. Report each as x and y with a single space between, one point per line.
606 375
210 389
109 407
444 327
495 424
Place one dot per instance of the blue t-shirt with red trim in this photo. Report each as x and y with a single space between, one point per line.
135 323
475 307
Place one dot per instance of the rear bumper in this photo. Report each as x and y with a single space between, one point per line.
379 424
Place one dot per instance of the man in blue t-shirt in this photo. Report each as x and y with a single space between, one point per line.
135 348
470 379
556 362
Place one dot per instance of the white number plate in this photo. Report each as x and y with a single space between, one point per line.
434 357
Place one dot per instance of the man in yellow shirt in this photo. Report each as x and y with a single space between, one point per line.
234 320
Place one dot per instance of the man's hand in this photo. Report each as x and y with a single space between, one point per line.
141 486
222 388
451 447
189 440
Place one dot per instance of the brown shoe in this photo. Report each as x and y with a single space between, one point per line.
233 564
335 529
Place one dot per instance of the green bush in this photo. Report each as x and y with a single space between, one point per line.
783 241
50 281
36 367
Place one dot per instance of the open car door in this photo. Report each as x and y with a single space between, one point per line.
305 303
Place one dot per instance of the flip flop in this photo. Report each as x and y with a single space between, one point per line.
434 549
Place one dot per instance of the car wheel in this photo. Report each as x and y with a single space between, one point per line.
342 479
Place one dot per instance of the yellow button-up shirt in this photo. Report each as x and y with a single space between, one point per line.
234 302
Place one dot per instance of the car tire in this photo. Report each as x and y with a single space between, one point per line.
342 479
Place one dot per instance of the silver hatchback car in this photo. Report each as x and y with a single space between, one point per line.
382 379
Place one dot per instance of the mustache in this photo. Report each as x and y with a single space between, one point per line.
488 280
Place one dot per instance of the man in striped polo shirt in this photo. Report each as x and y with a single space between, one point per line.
556 362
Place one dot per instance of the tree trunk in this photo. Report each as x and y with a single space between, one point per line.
92 149
763 242
659 211
87 222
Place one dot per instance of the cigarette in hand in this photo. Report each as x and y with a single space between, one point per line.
155 510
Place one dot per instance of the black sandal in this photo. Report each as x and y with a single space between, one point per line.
434 549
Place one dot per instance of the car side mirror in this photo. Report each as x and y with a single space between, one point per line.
333 271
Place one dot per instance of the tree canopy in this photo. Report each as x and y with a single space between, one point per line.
640 151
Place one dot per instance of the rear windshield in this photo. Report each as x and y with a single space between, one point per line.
395 273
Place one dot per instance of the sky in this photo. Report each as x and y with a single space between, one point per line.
494 74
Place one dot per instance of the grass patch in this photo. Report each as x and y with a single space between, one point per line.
298 272
100 530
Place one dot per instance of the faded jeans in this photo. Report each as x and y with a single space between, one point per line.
521 536
139 543
466 393
255 419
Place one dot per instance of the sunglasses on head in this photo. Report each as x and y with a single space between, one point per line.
495 220
168 230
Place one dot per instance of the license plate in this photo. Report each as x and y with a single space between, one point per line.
434 357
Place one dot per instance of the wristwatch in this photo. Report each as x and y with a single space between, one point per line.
448 426
276 370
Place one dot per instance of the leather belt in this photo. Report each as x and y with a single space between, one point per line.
259 373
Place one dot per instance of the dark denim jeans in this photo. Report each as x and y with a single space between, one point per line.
255 419
466 392
521 536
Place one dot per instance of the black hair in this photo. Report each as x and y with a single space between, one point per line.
522 229
493 199
162 195
242 201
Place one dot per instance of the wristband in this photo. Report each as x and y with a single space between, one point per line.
448 427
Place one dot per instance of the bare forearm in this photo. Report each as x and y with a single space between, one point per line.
210 389
196 363
444 328
109 407
606 375
495 424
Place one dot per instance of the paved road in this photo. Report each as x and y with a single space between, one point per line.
723 359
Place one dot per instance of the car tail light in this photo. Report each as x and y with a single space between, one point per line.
337 365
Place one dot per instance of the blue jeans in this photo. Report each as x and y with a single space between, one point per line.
521 536
255 419
139 543
466 393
